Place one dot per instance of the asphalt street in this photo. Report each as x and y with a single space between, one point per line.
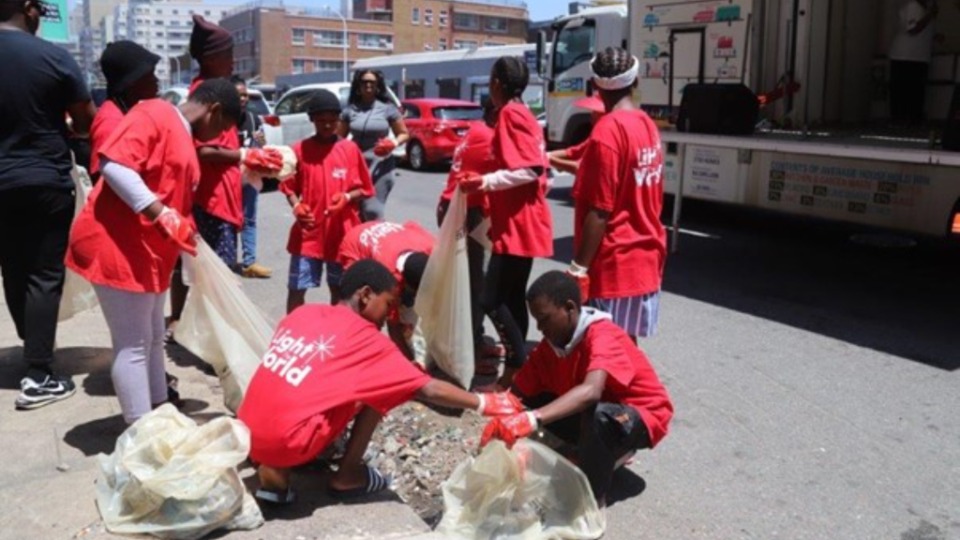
816 379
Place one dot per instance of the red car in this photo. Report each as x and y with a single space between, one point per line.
436 127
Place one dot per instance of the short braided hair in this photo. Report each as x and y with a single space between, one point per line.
611 62
513 74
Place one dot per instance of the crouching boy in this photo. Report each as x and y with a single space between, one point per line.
587 383
328 365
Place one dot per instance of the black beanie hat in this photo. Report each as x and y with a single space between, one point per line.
124 63
323 101
208 38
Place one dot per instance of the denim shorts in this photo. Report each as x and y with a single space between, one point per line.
637 315
307 273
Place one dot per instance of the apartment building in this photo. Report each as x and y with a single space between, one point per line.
273 39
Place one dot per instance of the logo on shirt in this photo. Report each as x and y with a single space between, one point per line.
458 157
649 169
371 237
290 357
339 173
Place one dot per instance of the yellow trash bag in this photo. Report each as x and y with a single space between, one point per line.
527 493
170 478
78 295
443 299
221 325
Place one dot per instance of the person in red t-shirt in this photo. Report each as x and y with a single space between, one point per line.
404 249
475 154
328 365
129 235
588 383
218 201
568 159
620 246
128 68
332 177
521 227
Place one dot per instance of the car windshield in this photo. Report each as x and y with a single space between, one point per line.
458 113
257 105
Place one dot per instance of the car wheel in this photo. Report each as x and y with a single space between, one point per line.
417 156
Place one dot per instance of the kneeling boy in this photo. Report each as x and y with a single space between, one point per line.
587 383
327 365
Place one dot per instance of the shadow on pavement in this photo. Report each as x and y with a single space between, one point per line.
69 361
626 485
808 274
96 436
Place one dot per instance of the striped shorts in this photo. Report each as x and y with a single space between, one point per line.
637 315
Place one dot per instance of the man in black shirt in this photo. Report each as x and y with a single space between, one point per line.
40 84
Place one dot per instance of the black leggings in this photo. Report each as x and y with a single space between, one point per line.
504 301
601 434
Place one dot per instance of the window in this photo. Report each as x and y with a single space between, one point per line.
574 45
375 41
158 34
413 89
299 65
158 22
428 17
299 36
493 44
443 44
327 38
415 16
410 111
327 65
466 21
458 113
443 18
160 46
294 103
464 44
175 12
447 88
497 25
206 13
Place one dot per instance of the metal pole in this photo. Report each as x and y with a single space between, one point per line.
678 198
344 40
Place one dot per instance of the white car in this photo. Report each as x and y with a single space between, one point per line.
257 103
290 124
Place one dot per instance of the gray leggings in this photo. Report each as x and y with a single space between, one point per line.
136 329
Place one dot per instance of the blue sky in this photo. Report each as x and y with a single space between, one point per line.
546 9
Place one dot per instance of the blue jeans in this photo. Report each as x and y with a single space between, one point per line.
248 235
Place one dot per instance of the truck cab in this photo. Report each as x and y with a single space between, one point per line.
564 63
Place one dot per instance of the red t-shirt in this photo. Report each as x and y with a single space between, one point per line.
520 221
104 124
473 154
576 151
631 379
323 170
323 363
384 242
220 192
109 243
622 173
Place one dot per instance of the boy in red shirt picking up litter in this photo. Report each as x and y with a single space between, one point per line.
587 383
331 179
328 365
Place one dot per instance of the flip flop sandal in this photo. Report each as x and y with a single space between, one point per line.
274 498
376 482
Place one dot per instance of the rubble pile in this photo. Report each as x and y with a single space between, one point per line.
420 447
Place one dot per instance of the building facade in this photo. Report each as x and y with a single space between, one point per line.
273 40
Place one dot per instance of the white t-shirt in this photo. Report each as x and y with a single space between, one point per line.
912 48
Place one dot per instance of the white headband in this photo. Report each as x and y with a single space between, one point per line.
621 81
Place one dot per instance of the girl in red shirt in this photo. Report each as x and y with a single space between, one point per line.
131 232
520 224
128 68
332 177
620 246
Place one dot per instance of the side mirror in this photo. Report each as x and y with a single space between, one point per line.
541 39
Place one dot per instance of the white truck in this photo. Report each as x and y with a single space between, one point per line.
831 155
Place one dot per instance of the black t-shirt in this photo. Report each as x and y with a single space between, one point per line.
38 81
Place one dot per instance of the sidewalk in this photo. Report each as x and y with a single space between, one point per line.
47 490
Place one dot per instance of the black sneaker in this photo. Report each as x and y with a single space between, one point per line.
37 393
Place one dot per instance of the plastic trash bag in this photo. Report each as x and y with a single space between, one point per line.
527 493
443 299
221 325
255 178
78 294
170 478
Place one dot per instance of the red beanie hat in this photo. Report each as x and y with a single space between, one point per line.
208 38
